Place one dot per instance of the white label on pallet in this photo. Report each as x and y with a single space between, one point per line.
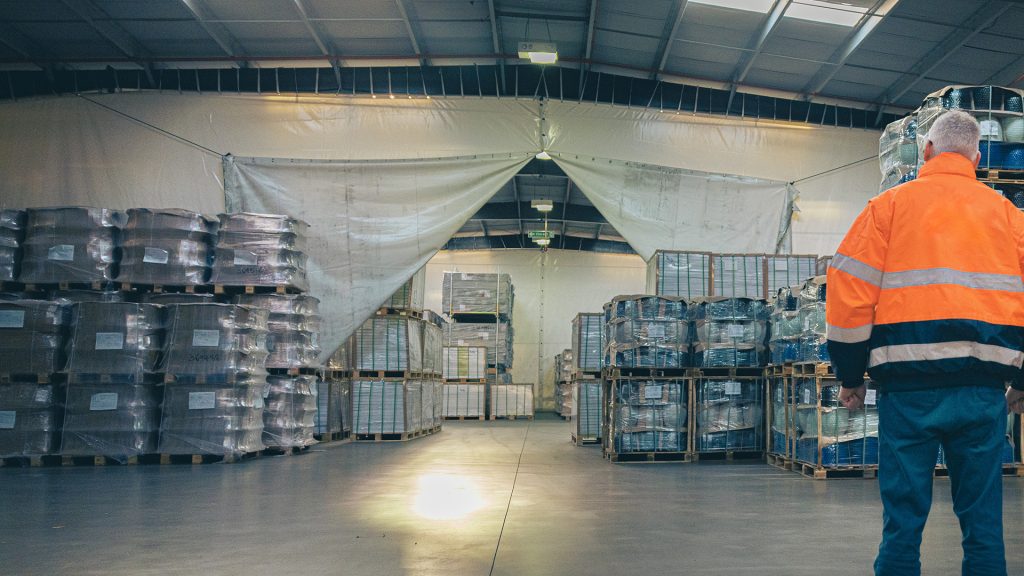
735 330
12 318
110 340
870 397
778 395
44 395
156 255
782 265
103 401
653 392
807 396
205 338
258 404
202 400
733 388
7 418
245 258
61 253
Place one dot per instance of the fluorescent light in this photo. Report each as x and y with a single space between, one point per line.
539 52
543 155
761 6
838 13
542 205
543 241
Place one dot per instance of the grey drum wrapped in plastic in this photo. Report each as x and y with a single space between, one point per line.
70 244
166 247
388 343
294 328
113 420
260 250
463 293
289 411
213 419
32 334
115 338
215 342
28 419
12 234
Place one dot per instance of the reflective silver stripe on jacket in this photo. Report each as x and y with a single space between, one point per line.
857 269
945 351
848 335
978 280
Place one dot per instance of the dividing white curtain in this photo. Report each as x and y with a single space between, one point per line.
373 224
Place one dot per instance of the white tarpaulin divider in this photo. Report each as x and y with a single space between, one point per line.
373 223
656 207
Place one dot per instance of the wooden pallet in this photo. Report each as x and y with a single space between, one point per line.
813 369
333 436
1008 175
779 461
277 451
622 373
465 381
295 371
164 289
231 290
30 461
407 312
206 458
378 374
650 457
832 472
108 460
580 441
464 418
513 417
94 286
396 437
31 378
729 456
780 369
731 372
478 317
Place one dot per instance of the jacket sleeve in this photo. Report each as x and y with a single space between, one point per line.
854 283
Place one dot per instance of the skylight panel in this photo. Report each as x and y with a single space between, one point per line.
839 13
761 6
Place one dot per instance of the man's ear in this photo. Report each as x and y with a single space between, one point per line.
929 151
977 159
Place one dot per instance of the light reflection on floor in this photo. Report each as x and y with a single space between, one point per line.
446 497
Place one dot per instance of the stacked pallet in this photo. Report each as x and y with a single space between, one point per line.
12 234
730 332
260 250
729 415
511 401
694 275
588 338
564 367
647 332
465 382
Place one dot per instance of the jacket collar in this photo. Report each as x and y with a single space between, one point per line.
948 163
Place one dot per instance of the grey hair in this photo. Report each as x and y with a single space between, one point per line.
956 131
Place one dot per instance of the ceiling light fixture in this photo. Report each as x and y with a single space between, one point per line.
539 52
542 241
542 205
543 155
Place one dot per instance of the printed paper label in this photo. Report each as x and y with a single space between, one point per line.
778 395
870 397
258 404
7 418
807 395
733 388
109 340
103 401
155 256
12 318
205 338
202 400
655 330
735 330
61 253
43 395
245 258
653 392
990 128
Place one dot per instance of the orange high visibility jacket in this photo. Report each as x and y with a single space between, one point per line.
926 290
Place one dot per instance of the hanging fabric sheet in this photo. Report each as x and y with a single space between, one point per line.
373 223
656 207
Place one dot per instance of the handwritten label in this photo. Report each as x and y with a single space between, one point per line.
733 388
735 330
109 340
202 400
103 401
807 395
205 338
653 392
61 253
245 258
12 318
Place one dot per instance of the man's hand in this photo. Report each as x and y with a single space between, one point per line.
853 398
1015 400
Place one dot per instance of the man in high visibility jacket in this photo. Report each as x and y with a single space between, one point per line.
926 293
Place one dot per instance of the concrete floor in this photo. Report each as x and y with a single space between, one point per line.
502 498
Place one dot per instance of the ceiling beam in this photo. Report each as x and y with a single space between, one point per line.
24 46
410 30
588 40
867 24
325 48
113 33
496 41
213 29
1009 75
767 27
597 233
668 36
980 19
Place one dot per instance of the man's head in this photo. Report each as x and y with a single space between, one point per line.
957 132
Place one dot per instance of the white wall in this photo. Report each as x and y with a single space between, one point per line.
550 289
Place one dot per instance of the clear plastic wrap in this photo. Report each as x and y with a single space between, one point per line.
113 420
260 250
341 358
626 356
166 247
739 275
722 308
289 411
469 400
588 341
511 400
587 400
497 338
168 298
214 419
823 264
633 332
464 362
564 365
729 415
293 326
119 339
388 343
786 324
712 332
12 234
428 401
897 146
730 332
433 345
787 299
32 336
70 244
845 437
650 415
29 424
410 295
730 356
386 406
787 270
644 307
463 293
784 350
684 274
215 342
331 405
73 296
